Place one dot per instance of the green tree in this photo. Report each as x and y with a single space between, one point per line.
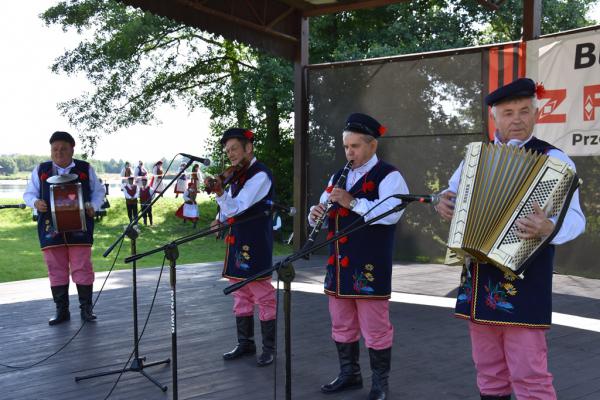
138 61
8 164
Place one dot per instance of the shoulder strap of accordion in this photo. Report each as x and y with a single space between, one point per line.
539 146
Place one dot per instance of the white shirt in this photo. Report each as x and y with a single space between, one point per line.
574 223
254 189
32 190
393 183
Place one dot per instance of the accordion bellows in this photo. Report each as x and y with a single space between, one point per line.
498 186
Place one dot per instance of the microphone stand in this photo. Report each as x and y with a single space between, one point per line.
137 364
171 251
131 231
286 273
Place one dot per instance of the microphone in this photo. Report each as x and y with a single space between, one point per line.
201 160
21 206
421 198
291 211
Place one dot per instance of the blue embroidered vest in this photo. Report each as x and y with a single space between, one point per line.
360 264
46 233
487 296
250 244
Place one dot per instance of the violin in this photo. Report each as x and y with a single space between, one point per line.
230 175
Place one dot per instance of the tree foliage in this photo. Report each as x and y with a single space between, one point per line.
138 62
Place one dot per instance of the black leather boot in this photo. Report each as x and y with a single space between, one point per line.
60 294
349 377
267 329
380 367
245 334
487 397
86 303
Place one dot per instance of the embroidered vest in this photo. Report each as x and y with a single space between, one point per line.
47 234
250 245
145 195
360 264
486 295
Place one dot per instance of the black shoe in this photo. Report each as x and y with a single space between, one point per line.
349 377
341 383
268 329
245 334
60 294
85 302
380 367
486 397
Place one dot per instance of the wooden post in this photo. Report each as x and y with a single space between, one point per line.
300 135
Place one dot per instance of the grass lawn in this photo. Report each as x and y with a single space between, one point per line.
21 258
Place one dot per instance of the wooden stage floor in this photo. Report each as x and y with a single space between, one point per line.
431 354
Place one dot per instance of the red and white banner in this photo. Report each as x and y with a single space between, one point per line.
569 109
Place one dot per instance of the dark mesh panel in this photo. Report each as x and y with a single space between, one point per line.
432 109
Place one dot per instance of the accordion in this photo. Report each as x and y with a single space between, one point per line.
498 186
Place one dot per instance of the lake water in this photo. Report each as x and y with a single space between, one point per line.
14 189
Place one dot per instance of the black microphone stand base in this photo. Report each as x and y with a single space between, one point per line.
137 364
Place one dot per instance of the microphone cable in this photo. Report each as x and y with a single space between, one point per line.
24 367
139 339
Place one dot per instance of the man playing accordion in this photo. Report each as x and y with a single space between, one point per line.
508 317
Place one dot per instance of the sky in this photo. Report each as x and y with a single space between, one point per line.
30 93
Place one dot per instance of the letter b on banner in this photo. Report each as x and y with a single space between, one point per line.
584 55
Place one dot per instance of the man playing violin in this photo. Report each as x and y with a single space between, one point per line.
359 269
249 245
68 251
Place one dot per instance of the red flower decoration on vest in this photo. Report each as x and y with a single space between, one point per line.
540 91
331 260
382 130
249 135
43 177
343 239
329 189
330 235
343 212
230 239
368 186
83 176
345 261
332 213
230 220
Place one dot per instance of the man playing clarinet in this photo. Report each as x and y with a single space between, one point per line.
359 269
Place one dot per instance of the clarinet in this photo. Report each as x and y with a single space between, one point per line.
341 183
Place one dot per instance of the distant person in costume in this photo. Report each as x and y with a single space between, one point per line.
189 209
156 182
146 193
140 171
126 172
182 182
132 194
195 176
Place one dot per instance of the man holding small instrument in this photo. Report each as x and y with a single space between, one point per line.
359 269
250 244
66 251
509 316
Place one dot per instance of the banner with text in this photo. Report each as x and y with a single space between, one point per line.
568 67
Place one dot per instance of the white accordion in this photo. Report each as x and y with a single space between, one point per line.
498 186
